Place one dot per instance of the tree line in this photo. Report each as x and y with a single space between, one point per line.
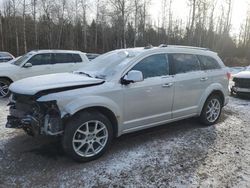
65 24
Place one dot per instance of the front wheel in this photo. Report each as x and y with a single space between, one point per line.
87 136
212 110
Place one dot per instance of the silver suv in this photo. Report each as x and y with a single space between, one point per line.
120 92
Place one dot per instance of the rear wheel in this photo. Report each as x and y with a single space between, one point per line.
212 110
4 88
87 136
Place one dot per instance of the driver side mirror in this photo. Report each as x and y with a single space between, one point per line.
132 77
27 65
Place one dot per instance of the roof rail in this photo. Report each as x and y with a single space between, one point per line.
189 47
148 46
163 46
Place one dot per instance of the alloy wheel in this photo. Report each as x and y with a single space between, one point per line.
90 138
213 110
4 89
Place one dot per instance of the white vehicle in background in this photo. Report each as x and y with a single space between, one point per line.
241 83
5 57
120 92
39 62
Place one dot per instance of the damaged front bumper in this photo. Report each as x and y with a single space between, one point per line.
35 118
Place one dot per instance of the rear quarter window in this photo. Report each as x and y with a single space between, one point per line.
63 58
208 63
77 58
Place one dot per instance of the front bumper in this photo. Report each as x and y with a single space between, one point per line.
235 89
35 118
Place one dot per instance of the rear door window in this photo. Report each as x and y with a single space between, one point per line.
77 58
208 63
63 58
41 59
184 63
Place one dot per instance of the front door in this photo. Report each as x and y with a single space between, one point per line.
41 64
149 102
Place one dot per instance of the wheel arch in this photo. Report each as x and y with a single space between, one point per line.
220 94
213 90
6 78
106 112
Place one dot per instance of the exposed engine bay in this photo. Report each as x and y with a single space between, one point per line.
34 117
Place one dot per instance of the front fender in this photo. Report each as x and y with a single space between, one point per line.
93 101
208 91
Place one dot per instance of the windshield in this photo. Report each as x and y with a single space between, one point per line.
20 60
106 65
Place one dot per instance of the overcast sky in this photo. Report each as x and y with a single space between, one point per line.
181 10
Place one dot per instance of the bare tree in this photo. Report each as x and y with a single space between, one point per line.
122 8
1 32
84 22
34 12
24 27
137 7
228 16
97 22
61 12
13 4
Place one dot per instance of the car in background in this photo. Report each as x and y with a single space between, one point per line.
5 57
92 56
120 92
39 62
241 83
235 70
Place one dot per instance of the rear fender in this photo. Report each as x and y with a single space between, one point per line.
208 91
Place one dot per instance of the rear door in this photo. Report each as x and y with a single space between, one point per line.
212 69
66 62
189 84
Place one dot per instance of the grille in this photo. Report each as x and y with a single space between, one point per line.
242 82
21 98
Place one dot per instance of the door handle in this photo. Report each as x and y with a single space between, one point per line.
167 85
204 79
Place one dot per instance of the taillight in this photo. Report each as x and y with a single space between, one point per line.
228 75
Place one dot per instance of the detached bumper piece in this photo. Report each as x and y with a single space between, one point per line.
13 122
28 124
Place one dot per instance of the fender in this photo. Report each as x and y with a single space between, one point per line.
12 79
93 101
208 91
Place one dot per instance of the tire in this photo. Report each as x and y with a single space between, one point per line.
206 116
4 88
87 136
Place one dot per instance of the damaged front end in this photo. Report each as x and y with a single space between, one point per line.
35 118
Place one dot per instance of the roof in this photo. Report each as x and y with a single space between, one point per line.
55 51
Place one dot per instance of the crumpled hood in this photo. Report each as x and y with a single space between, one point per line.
243 74
59 82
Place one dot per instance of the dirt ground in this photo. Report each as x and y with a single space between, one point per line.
181 154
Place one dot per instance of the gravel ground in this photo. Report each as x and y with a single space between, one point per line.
181 154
